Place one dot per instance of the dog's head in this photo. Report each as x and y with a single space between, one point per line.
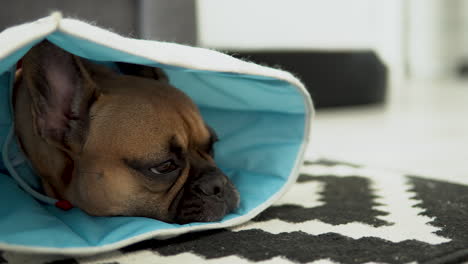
132 144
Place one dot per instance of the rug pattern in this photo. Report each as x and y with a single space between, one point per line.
335 213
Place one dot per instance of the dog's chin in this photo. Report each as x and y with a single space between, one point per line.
201 211
194 207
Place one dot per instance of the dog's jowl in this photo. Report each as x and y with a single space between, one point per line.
117 142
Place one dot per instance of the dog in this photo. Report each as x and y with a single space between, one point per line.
117 143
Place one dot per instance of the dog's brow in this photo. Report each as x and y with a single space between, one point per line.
151 159
144 162
175 146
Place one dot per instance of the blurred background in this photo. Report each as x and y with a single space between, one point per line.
387 77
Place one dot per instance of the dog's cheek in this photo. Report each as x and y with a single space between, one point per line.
76 196
80 194
112 191
89 193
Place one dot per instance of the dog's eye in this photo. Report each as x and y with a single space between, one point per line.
164 168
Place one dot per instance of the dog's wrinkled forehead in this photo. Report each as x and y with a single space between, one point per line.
155 114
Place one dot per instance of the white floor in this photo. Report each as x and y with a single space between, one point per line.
422 129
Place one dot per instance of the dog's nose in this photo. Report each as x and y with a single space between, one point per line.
210 186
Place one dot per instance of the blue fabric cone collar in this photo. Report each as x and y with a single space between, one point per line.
262 117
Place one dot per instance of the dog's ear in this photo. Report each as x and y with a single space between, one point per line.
62 91
142 71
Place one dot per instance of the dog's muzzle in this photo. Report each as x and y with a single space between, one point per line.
208 196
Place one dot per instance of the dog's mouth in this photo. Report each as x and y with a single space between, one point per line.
173 207
194 205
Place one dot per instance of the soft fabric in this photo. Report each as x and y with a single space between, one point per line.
261 115
335 213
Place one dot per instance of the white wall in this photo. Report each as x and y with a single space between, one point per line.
246 24
463 28
437 38
425 31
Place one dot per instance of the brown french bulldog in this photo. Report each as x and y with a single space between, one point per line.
117 144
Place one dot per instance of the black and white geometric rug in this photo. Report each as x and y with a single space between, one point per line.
335 213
